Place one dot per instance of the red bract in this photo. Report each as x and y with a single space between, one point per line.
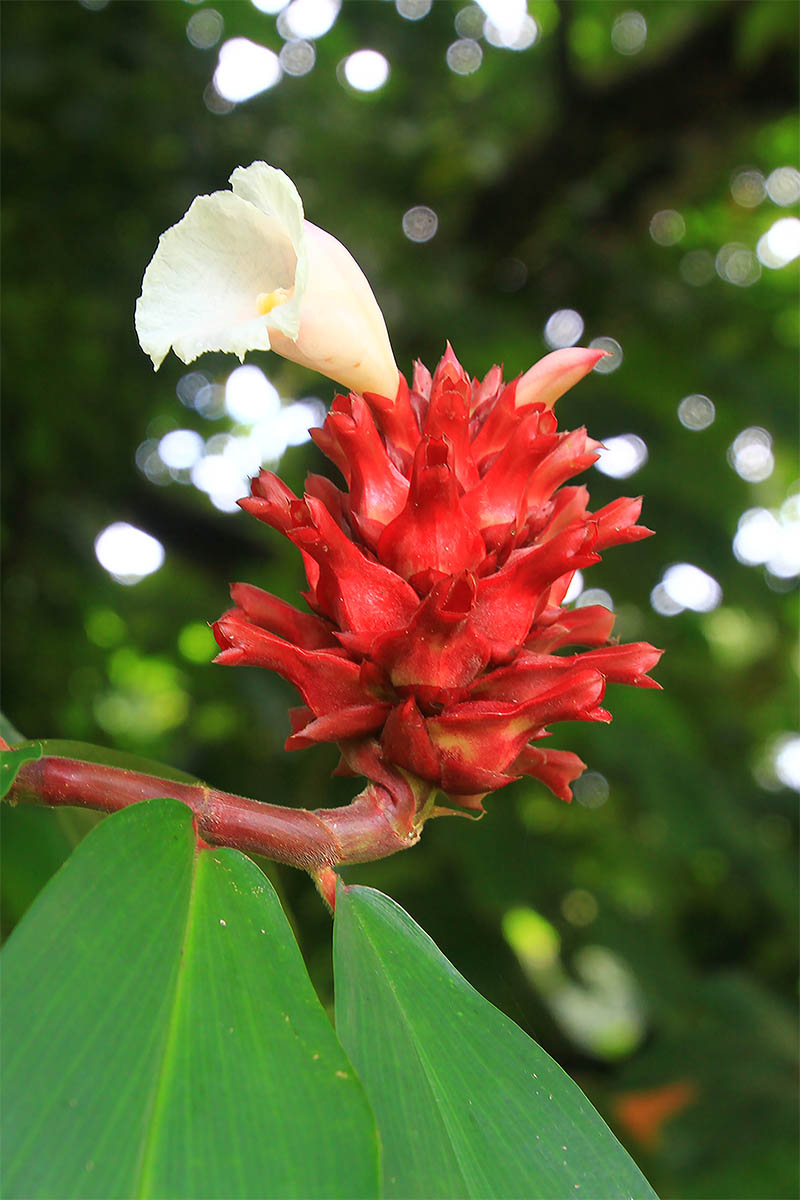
434 655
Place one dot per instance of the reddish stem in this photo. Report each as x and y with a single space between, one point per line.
368 828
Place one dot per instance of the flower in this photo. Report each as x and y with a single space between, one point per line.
244 271
434 652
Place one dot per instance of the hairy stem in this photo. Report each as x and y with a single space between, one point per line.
370 827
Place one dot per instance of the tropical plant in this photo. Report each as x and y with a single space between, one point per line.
188 1054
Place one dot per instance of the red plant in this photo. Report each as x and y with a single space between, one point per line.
434 654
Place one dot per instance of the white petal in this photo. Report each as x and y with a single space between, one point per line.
272 191
342 331
200 291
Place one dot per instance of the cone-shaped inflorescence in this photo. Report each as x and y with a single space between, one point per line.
438 650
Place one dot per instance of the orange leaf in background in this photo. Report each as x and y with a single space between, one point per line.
643 1114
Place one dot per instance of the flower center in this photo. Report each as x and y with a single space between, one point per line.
266 301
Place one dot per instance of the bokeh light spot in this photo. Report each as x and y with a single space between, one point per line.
296 420
420 223
127 553
413 10
189 385
575 588
736 637
662 602
222 481
773 540
621 456
209 401
249 395
784 564
790 509
520 39
629 33
579 907
563 328
504 13
310 18
230 460
750 455
180 449
204 28
780 244
297 58
783 186
786 760
737 264
667 227
464 56
690 587
696 411
613 357
146 698
748 187
595 596
532 938
508 25
366 70
104 627
591 789
152 465
469 22
215 103
587 37
196 642
757 537
213 722
244 69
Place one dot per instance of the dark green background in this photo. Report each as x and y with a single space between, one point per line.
557 156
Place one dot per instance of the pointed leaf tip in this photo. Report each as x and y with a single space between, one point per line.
467 1104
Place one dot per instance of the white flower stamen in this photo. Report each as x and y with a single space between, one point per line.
266 301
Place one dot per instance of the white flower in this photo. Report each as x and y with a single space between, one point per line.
244 271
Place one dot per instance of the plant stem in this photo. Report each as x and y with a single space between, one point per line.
370 827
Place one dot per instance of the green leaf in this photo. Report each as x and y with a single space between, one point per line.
12 760
161 1037
467 1104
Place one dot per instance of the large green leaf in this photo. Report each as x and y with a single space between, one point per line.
467 1104
161 1037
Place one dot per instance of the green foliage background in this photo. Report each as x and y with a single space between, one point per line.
649 944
